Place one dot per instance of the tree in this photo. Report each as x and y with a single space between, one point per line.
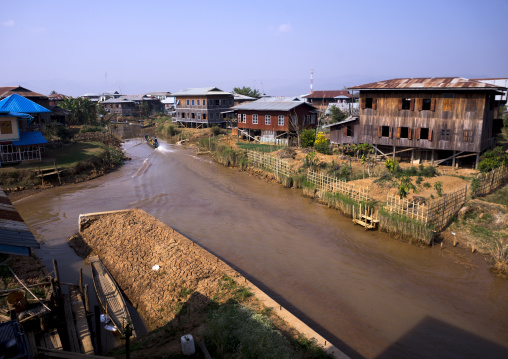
83 111
53 93
247 91
337 115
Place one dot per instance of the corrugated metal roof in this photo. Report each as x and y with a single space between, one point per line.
203 91
347 120
6 91
57 96
17 103
13 230
427 83
5 113
271 104
30 138
118 100
328 94
243 97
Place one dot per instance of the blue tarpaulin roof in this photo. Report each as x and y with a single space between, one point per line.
30 138
17 103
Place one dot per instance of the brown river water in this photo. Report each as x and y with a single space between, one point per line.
369 294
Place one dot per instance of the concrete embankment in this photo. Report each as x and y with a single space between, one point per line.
131 243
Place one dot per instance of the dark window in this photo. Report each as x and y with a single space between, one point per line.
204 116
217 102
406 103
424 134
445 134
349 132
468 135
193 115
426 102
404 132
368 102
385 131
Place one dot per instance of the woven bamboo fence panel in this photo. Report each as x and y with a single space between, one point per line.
442 210
333 185
490 181
270 163
407 208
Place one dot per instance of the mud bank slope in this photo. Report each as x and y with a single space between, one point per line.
130 243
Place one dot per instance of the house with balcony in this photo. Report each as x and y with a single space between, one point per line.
197 107
437 120
17 144
275 119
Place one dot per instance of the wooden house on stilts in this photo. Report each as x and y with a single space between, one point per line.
436 120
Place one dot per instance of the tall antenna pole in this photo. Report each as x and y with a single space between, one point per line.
311 79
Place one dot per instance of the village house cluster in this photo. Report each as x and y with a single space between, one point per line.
448 120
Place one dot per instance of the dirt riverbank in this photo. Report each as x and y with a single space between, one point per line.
175 299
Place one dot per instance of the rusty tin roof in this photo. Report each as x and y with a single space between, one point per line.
428 83
328 94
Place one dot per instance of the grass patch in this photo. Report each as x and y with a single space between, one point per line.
500 196
405 228
266 148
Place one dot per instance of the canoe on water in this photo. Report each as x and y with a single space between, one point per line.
109 295
152 141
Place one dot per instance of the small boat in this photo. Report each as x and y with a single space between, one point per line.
152 141
145 126
109 296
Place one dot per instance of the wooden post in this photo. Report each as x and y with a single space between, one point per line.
432 157
81 281
98 338
453 160
393 154
57 280
477 160
87 299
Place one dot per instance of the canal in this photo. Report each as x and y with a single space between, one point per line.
371 295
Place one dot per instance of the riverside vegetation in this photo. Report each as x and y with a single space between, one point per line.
80 154
356 163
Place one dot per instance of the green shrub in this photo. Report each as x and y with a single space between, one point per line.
215 130
235 331
426 185
493 159
438 186
307 138
64 133
87 128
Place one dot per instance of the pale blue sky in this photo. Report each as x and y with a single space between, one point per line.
134 47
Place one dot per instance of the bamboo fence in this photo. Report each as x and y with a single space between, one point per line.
329 184
407 208
269 162
490 181
442 210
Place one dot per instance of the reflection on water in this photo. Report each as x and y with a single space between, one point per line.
363 290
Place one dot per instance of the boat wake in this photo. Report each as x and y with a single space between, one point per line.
164 148
144 167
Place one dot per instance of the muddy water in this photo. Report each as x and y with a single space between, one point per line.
371 295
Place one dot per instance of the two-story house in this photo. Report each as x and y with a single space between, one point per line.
275 119
423 119
202 106
17 144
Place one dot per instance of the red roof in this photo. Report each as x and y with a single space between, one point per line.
427 83
328 94
9 90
